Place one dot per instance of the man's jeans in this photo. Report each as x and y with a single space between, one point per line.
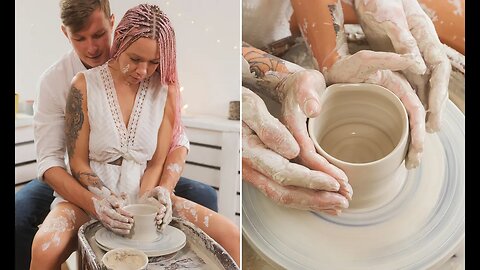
32 204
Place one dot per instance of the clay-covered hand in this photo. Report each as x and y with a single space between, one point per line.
402 26
110 213
160 197
268 145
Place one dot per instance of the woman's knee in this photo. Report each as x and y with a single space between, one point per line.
233 232
57 237
50 250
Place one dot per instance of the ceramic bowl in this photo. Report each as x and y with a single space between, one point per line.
125 259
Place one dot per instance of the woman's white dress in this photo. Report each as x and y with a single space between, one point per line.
111 139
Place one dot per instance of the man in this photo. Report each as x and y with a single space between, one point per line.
87 24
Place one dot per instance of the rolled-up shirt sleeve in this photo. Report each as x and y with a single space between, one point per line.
48 123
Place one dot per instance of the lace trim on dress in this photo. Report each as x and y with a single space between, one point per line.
112 103
127 137
137 109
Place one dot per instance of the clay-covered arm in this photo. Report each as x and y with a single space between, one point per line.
155 166
447 17
157 187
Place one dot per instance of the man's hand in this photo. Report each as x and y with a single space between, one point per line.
402 26
268 145
110 212
160 197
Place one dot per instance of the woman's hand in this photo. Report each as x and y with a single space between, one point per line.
402 26
160 197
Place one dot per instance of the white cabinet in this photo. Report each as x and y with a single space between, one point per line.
25 157
214 159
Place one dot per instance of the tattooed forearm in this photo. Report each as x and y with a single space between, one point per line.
88 179
262 62
73 119
92 182
266 72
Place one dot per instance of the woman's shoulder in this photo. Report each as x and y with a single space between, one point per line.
79 82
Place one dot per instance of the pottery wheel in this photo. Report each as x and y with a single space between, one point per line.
420 228
169 241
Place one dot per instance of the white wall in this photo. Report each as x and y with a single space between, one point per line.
208 47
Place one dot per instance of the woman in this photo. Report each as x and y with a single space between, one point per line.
121 118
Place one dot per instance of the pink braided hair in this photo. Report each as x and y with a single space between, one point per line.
147 20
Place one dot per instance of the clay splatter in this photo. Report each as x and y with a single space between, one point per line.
206 219
189 207
458 7
59 225
174 167
125 69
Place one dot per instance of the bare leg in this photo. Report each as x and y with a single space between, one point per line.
220 228
57 237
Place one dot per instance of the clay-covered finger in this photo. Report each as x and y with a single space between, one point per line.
117 226
123 215
294 197
120 215
307 87
161 211
282 170
295 121
268 128
438 95
436 59
359 66
397 83
159 217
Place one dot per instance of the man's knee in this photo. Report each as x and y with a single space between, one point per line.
210 192
32 204
198 192
23 211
